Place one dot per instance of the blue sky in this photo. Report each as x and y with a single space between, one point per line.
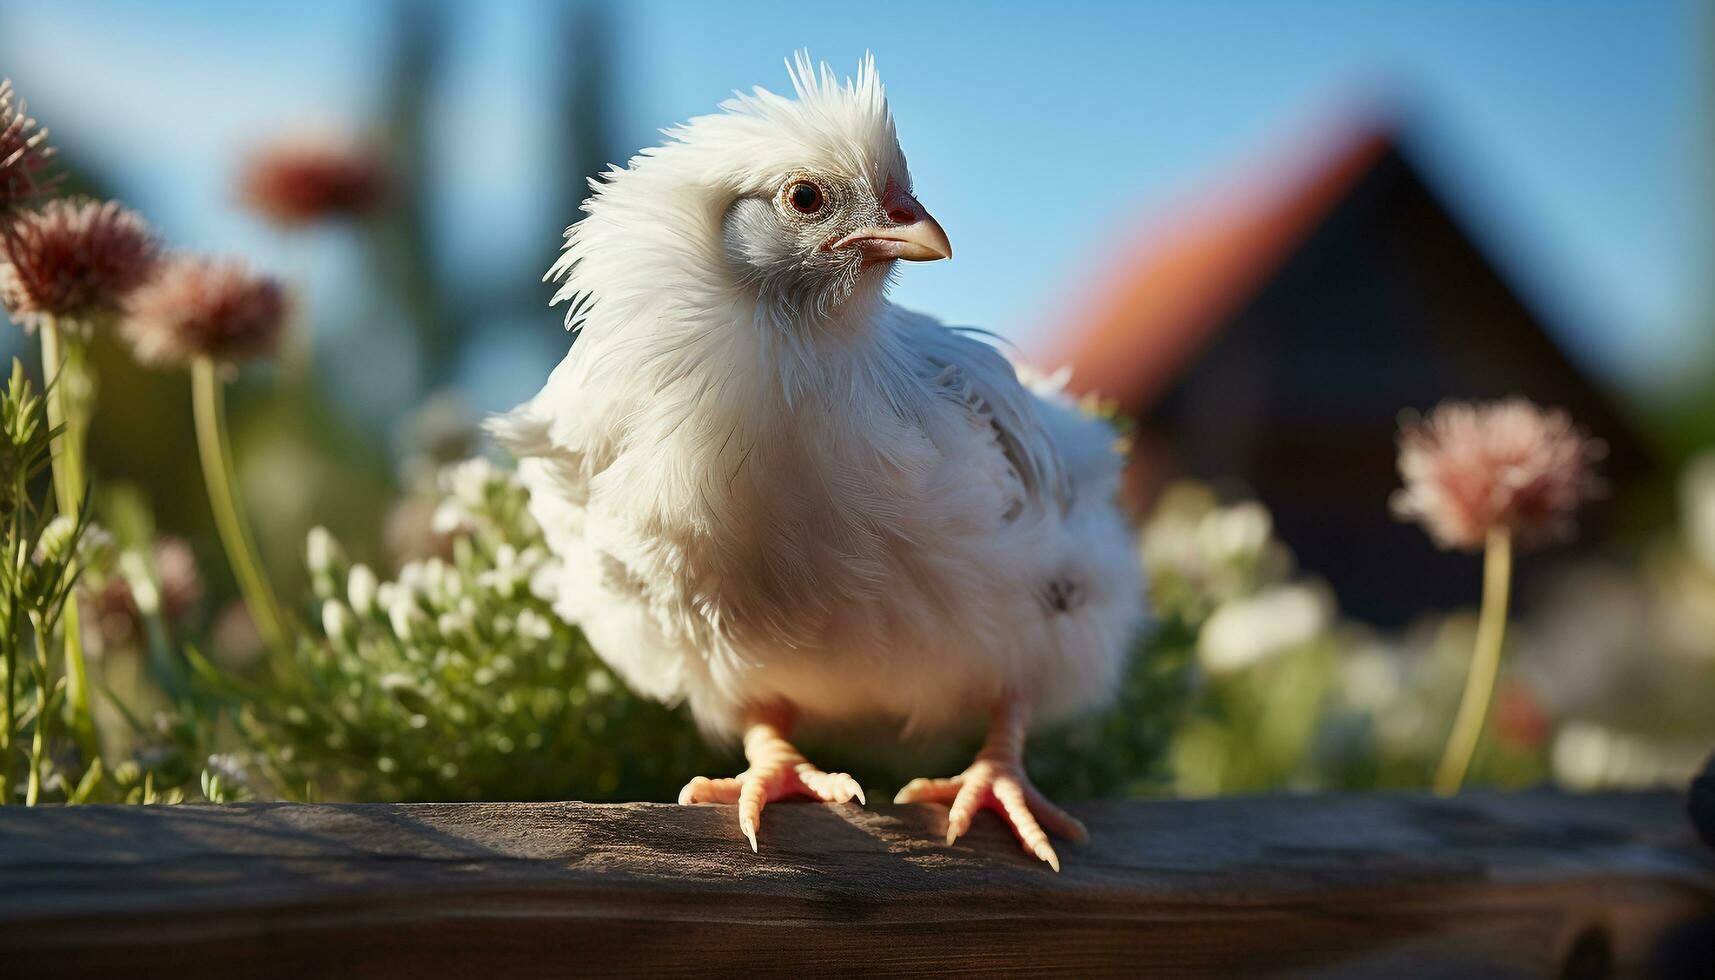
1573 136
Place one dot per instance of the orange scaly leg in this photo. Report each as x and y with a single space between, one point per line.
777 770
996 781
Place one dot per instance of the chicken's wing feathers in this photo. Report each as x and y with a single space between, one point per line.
975 376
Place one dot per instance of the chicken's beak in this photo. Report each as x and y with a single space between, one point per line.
910 232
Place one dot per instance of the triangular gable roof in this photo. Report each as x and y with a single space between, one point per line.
1156 308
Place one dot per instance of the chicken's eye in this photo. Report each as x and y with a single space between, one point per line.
805 197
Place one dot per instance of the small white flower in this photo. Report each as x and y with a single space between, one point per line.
412 578
451 517
470 480
407 620
55 542
362 588
1247 631
1234 533
336 620
228 767
533 625
1589 756
452 584
1369 678
452 624
324 551
435 572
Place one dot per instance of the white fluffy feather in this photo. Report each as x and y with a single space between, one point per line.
815 497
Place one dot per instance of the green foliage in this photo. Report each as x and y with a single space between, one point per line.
1251 730
39 570
1255 636
48 561
25 450
456 681
1124 750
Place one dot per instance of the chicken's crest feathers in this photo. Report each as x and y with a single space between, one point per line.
652 227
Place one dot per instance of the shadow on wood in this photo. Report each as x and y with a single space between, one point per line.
1491 884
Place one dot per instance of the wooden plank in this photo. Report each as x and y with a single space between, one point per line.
1489 884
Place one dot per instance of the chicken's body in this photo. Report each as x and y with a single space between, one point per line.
780 499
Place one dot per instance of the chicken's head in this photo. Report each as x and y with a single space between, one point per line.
806 201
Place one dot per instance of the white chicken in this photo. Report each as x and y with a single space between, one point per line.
778 497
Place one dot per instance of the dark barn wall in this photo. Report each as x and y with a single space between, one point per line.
1386 305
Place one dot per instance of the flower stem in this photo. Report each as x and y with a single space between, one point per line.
1485 665
11 722
68 405
13 635
8 736
209 404
39 741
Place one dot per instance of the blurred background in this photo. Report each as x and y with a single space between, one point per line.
1260 229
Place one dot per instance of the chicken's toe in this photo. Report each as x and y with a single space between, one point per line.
702 789
1004 788
830 787
926 790
776 771
966 803
1057 821
1009 794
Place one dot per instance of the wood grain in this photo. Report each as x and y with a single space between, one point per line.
1398 885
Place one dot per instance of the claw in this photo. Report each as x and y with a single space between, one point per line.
958 822
749 830
1045 851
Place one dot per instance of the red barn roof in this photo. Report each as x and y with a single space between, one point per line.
1163 299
